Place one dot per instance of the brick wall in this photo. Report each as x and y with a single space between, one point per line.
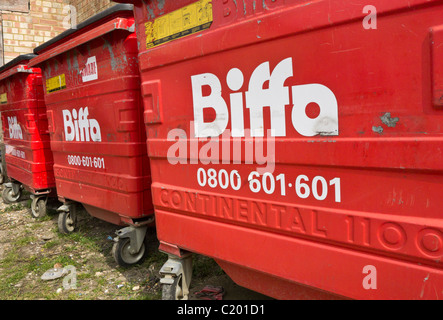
88 8
23 31
28 23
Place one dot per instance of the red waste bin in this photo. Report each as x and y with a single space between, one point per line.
92 93
298 143
27 150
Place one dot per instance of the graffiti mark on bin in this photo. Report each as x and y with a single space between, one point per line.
387 120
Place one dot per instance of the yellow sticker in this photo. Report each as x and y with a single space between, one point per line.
193 18
55 83
3 98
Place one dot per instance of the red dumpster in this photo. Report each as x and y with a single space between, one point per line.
298 143
92 91
27 150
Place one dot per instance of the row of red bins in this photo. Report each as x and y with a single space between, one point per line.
297 143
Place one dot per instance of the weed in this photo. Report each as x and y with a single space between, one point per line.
13 207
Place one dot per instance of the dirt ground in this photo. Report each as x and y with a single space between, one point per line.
30 247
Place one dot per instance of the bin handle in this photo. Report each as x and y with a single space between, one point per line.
30 123
436 67
152 100
126 24
50 116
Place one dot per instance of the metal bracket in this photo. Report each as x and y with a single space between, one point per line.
136 236
64 208
36 197
14 186
70 207
176 267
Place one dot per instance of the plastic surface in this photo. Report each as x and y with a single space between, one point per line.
92 92
25 126
344 194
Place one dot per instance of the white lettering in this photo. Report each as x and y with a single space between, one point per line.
15 131
214 101
90 72
81 129
276 96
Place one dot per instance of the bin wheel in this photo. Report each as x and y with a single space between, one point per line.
173 291
124 258
66 224
38 207
8 195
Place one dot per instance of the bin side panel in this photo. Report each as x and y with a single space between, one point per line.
97 133
320 151
25 130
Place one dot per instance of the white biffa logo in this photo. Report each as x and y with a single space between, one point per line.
276 97
265 89
15 132
79 128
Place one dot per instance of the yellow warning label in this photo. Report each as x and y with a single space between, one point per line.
3 98
179 23
55 83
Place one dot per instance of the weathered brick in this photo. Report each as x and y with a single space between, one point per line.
10 43
22 50
7 23
42 27
27 44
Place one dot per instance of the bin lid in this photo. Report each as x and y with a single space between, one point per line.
106 14
16 61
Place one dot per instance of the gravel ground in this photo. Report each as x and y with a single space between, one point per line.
30 247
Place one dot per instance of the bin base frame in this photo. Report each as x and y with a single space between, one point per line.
176 272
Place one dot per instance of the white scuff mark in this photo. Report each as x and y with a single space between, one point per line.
346 50
409 30
424 284
378 129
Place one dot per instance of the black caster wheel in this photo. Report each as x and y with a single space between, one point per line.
9 197
123 256
38 207
66 222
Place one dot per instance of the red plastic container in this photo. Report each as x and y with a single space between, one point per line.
25 132
92 93
346 197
